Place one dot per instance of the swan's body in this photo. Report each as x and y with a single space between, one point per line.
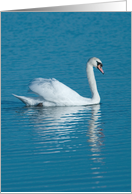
54 93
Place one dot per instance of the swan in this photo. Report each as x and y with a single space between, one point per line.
54 93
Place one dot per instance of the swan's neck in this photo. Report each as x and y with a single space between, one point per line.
92 83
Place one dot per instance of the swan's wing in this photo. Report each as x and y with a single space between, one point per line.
54 91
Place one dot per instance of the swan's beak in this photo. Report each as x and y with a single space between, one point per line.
100 68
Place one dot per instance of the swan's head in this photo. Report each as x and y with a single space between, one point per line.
95 62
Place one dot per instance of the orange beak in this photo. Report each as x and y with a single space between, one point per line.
100 68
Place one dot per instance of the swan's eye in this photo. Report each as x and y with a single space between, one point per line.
98 63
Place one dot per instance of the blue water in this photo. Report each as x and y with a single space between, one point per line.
66 149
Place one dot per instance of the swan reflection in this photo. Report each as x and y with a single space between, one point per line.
61 121
95 139
62 124
95 132
56 123
69 129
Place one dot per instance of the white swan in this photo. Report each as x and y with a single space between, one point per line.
54 93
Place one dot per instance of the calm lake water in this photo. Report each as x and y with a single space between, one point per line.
66 149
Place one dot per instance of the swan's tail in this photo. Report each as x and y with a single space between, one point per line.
29 101
24 99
